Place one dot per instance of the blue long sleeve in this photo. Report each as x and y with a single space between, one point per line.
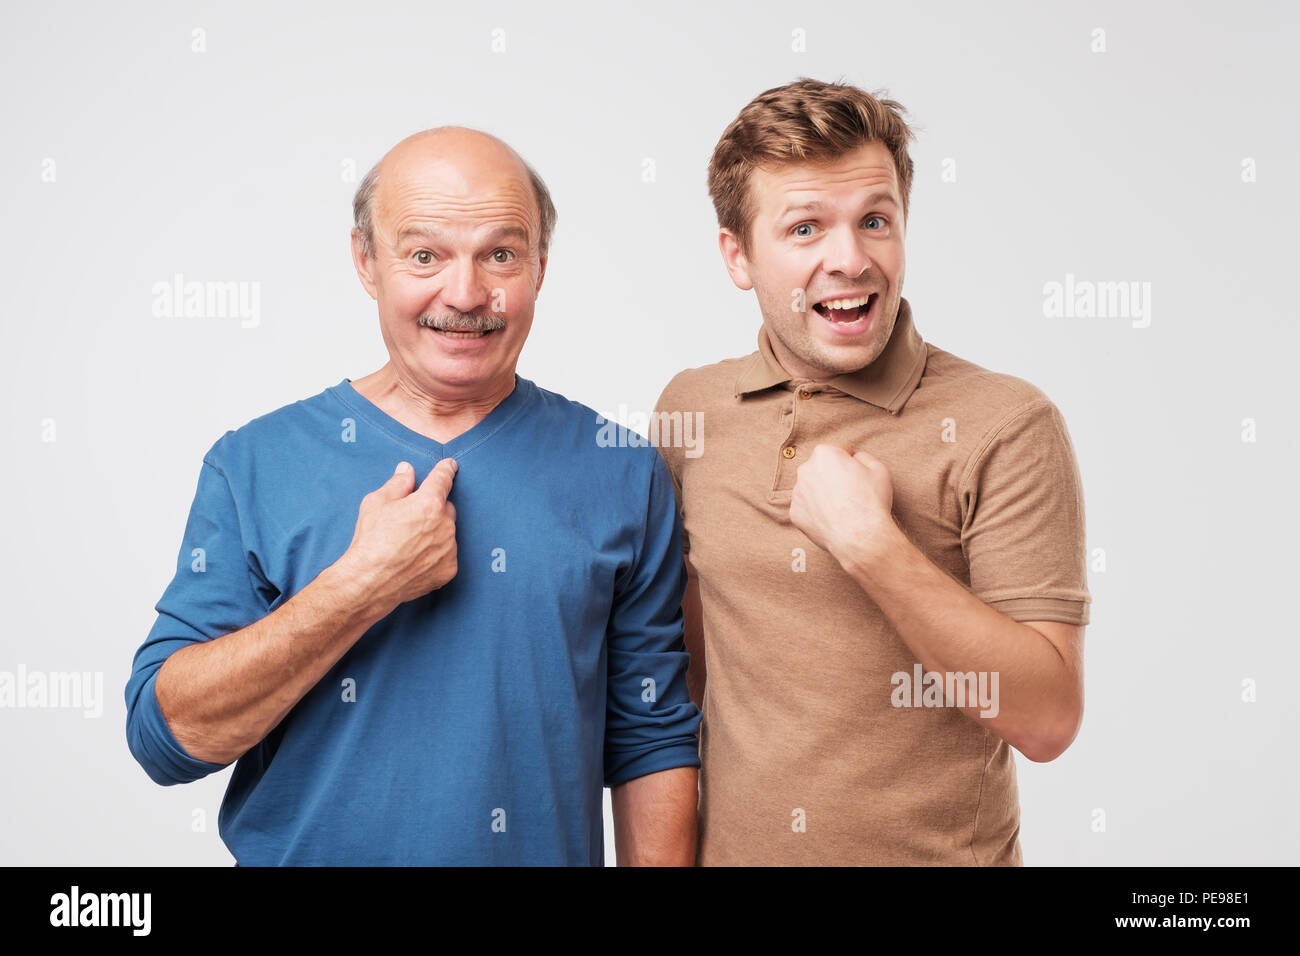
211 594
652 724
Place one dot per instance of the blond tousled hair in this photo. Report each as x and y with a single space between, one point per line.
806 120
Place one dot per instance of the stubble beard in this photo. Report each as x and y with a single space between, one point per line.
791 329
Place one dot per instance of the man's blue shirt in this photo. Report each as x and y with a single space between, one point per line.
476 724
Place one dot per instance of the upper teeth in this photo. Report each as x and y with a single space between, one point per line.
846 303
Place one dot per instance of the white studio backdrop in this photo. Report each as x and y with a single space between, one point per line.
1152 145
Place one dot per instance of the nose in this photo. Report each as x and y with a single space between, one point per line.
845 253
463 288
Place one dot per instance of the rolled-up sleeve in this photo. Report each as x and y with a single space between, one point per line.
651 723
214 592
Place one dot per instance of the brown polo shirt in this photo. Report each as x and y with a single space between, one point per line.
806 757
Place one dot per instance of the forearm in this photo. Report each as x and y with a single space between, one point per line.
1039 694
655 822
223 696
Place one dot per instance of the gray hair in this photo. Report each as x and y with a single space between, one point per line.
363 208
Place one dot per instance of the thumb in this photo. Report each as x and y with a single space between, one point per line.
400 485
862 458
438 482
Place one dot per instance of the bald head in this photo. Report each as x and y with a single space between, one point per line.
465 155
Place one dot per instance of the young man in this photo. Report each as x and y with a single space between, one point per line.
886 542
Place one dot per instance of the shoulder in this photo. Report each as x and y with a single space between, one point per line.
695 389
586 441
997 417
282 434
980 387
985 400
554 407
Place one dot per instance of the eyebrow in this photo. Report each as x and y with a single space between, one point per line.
495 235
815 205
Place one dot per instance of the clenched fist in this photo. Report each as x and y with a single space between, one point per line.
404 545
843 502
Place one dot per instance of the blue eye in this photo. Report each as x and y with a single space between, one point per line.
876 219
803 225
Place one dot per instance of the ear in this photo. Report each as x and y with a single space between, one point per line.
363 264
734 258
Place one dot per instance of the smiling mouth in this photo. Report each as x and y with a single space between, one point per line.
461 334
845 310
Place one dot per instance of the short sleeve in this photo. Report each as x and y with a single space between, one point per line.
1023 530
214 592
650 722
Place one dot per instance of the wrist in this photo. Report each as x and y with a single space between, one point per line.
354 587
863 554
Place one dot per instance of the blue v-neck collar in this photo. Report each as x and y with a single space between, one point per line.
505 411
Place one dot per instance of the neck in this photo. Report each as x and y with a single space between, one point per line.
434 413
796 368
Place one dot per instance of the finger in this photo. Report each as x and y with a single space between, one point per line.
871 461
438 483
831 451
400 485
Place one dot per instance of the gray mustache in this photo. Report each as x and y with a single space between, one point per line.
462 322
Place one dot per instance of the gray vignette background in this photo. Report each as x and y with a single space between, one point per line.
1153 144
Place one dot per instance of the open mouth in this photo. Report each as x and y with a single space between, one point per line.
846 311
848 317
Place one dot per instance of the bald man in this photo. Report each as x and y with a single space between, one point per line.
425 613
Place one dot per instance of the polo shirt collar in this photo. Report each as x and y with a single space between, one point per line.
887 382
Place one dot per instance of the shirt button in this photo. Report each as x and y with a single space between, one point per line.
804 394
787 451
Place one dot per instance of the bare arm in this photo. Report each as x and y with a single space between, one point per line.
1038 705
655 821
223 696
843 503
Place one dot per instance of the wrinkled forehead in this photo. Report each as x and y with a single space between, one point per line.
456 195
865 173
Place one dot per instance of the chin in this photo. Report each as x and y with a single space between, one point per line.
843 359
452 371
